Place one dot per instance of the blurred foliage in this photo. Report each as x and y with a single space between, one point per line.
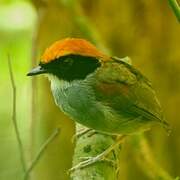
147 31
16 23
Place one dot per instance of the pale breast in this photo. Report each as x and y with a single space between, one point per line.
77 100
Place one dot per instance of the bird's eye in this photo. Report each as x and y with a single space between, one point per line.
68 61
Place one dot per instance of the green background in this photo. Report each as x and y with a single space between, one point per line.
146 31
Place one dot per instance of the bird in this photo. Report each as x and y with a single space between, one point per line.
99 91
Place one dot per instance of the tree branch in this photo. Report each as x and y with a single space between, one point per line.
20 144
40 152
92 144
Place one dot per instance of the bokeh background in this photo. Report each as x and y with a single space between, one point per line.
146 31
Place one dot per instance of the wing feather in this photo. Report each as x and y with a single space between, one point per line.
126 90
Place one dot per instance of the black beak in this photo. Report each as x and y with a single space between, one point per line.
36 71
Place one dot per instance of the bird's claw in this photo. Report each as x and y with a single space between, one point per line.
80 133
100 157
87 161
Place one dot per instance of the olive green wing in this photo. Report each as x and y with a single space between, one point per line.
125 89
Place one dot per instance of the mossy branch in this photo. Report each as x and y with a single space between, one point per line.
92 144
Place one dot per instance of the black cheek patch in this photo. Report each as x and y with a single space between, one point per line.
72 67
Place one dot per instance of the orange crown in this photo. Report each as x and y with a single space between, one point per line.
72 46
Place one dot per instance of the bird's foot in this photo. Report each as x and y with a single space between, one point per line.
87 161
82 132
101 157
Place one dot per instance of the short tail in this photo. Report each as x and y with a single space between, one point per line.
166 126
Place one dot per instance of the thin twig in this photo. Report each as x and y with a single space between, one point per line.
40 152
176 8
20 145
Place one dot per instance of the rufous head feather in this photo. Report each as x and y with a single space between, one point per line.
71 46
